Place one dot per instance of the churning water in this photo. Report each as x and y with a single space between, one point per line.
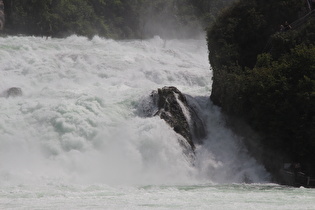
75 139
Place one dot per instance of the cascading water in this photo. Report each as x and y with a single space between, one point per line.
77 122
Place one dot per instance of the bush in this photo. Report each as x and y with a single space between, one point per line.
267 77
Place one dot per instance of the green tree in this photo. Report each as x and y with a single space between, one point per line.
121 19
266 77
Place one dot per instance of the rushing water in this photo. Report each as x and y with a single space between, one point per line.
75 139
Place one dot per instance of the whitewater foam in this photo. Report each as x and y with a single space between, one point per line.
77 120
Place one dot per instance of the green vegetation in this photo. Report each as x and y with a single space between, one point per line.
119 19
112 18
267 77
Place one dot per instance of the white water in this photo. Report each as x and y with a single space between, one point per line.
75 139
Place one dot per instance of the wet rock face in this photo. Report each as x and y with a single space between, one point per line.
13 92
172 106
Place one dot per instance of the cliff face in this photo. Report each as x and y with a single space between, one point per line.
2 17
266 77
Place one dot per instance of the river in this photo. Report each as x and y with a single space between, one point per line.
76 138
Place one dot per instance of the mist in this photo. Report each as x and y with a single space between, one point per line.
167 20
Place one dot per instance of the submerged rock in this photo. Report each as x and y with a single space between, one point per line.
13 92
172 106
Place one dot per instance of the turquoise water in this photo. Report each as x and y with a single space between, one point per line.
231 196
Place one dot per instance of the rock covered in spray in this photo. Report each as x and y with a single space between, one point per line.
172 106
12 92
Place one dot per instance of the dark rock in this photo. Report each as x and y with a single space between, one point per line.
173 107
2 15
13 92
180 112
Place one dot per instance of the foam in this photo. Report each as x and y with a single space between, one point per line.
77 119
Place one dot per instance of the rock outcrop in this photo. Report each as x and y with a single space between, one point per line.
173 107
12 92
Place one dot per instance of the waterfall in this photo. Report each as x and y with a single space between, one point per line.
77 118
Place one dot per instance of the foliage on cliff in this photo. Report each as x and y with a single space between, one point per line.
265 76
110 18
